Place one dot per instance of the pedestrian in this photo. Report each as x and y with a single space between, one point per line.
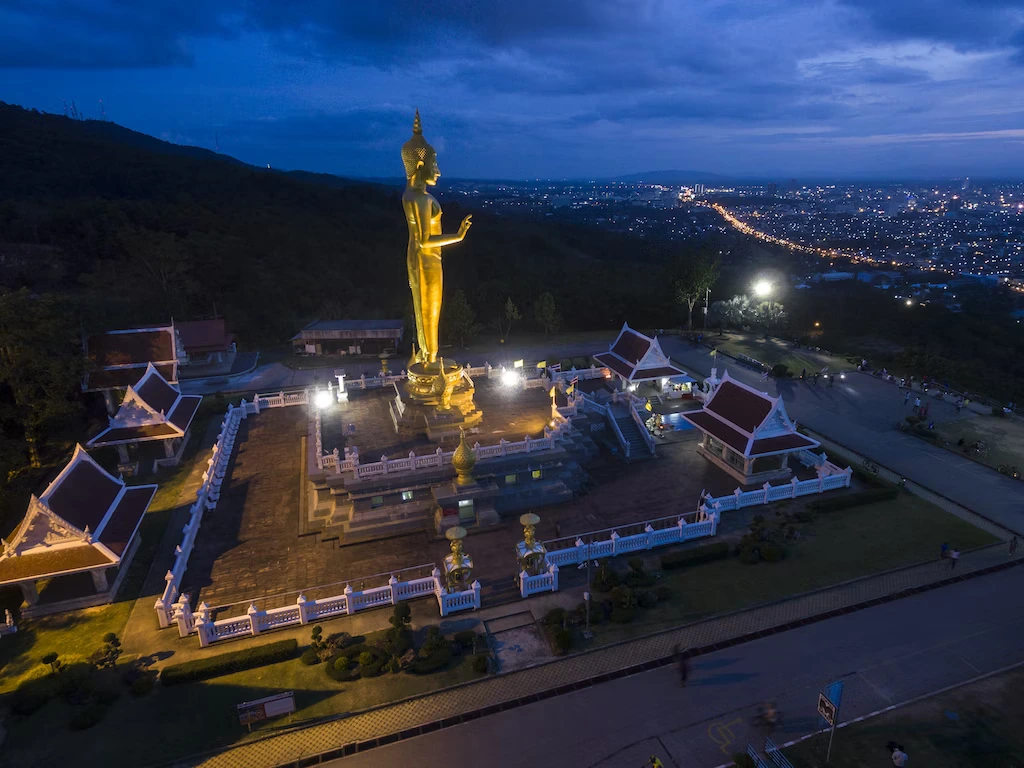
924 410
954 555
683 664
944 550
906 397
899 757
654 762
1013 546
917 404
959 405
831 380
803 374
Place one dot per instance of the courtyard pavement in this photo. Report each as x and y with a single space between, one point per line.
979 613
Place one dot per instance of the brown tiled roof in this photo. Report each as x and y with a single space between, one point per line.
198 336
182 414
781 443
739 406
122 348
623 369
120 529
708 423
45 562
595 385
132 434
158 394
631 346
124 377
84 495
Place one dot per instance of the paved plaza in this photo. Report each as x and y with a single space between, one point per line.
249 547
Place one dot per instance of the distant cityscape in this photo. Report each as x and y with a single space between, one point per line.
960 228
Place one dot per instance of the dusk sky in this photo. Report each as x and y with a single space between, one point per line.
544 88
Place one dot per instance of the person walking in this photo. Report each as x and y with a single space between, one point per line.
944 551
1013 546
954 555
899 757
906 397
917 404
924 410
683 664
654 762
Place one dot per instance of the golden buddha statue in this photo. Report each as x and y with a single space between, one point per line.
423 215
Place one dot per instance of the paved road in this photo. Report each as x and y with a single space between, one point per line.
886 654
861 412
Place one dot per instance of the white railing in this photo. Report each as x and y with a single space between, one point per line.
542 582
256 620
374 382
583 374
280 399
830 477
592 405
609 543
169 604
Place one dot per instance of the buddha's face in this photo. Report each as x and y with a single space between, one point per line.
429 171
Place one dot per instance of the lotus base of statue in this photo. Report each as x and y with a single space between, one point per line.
436 400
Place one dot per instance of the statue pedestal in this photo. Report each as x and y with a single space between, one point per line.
436 400
464 505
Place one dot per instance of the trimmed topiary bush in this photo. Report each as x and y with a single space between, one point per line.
339 668
750 555
856 499
86 717
704 554
606 579
213 666
143 685
647 599
562 641
554 618
480 664
310 657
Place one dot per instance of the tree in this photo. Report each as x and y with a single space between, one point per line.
695 273
735 312
509 314
546 314
40 364
770 314
459 318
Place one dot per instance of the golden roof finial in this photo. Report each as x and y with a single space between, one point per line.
417 126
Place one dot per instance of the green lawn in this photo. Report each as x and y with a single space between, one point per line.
976 725
1004 438
773 352
170 723
835 547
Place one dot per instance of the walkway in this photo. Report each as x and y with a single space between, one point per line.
504 691
860 412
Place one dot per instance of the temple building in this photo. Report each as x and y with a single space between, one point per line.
153 414
86 521
747 433
116 359
349 337
209 349
636 359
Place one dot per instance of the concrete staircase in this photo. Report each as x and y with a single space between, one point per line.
631 432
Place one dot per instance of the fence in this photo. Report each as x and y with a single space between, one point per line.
830 477
207 497
655 533
775 754
642 427
280 399
542 582
256 620
606 412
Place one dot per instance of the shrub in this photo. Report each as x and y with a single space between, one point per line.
562 641
143 685
647 599
772 553
554 618
366 659
663 593
606 578
780 371
309 657
27 700
371 661
86 717
636 565
52 660
401 615
758 520
855 499
339 669
397 641
621 615
107 695
433 661
480 664
623 597
704 554
466 638
750 555
804 516
226 663
75 682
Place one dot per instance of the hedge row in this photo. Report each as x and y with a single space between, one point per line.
704 554
226 663
859 498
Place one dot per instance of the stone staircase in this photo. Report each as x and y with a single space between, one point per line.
631 432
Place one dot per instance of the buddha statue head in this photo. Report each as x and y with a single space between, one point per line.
419 157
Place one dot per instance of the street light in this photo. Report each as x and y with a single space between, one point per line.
763 288
323 399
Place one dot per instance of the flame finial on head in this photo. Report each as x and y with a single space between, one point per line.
417 126
416 150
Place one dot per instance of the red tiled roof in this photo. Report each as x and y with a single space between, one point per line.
139 347
182 414
123 377
657 373
631 346
623 369
45 562
120 529
84 495
781 443
739 406
158 394
134 434
708 423
199 336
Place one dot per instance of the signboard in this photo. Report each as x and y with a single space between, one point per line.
827 709
517 364
250 712
834 693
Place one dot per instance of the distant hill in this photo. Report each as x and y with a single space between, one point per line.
670 177
139 230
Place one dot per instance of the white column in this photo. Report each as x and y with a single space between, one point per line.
122 453
29 592
99 580
169 447
254 618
